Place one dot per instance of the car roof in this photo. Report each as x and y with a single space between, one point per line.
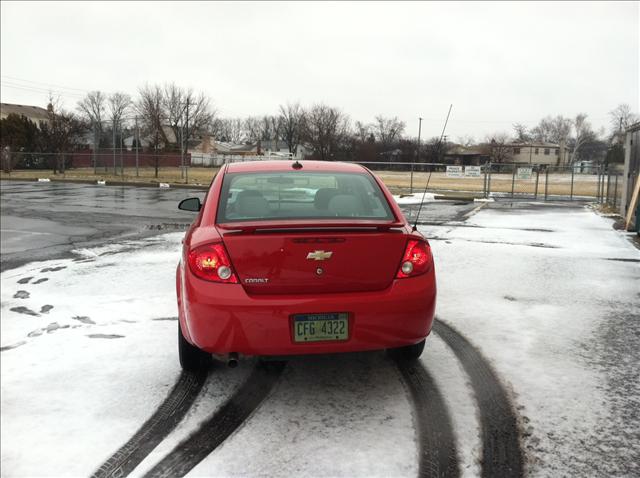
287 165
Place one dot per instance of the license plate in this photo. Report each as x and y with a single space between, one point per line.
320 327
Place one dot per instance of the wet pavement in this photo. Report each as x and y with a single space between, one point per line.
41 221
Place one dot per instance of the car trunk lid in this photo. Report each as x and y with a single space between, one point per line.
315 261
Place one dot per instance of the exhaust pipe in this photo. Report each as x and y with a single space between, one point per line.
232 361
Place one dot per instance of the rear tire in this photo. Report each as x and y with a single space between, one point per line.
409 352
191 357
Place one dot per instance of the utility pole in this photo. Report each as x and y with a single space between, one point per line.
418 154
113 147
137 145
186 143
95 147
182 150
121 152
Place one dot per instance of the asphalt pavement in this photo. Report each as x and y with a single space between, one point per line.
47 220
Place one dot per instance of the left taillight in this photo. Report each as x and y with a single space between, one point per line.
417 259
211 262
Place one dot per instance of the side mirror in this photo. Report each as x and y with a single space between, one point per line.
190 204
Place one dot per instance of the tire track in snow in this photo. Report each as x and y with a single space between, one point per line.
438 456
156 428
501 452
227 419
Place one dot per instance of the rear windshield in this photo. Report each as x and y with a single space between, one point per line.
301 195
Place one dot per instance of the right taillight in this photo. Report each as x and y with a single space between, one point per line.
211 262
416 260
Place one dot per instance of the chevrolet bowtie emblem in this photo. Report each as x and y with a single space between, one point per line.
319 255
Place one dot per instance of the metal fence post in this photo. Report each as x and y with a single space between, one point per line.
489 181
598 197
411 184
615 192
546 182
113 148
535 195
573 169
137 145
513 180
484 182
95 147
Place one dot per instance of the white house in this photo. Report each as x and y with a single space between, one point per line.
552 154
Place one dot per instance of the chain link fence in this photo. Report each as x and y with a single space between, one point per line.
507 180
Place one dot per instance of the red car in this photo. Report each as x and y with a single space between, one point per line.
294 258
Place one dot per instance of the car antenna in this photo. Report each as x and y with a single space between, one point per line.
415 224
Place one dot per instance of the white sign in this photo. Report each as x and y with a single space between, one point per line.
454 172
524 173
472 171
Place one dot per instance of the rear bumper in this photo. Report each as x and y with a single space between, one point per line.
223 318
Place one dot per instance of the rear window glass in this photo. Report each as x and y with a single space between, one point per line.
301 195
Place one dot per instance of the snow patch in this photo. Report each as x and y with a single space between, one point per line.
415 198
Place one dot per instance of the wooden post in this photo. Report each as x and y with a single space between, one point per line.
632 205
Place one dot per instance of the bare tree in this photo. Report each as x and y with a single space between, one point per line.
149 107
253 129
118 105
232 130
92 108
324 128
583 134
552 130
267 131
499 148
466 141
291 124
388 130
363 131
186 112
621 117
60 134
522 133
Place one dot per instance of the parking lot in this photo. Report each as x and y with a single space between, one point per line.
531 368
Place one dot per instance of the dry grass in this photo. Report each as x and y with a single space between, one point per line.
559 184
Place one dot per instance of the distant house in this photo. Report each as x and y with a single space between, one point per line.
279 148
273 148
466 156
147 140
226 148
34 113
551 154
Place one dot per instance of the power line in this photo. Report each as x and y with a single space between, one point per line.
40 90
45 84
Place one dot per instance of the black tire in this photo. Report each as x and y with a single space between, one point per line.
191 357
410 352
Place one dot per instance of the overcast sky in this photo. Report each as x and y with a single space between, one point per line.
498 63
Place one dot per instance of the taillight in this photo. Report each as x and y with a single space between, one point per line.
416 260
211 262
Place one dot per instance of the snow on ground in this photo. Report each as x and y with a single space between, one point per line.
415 198
89 351
329 416
94 362
534 289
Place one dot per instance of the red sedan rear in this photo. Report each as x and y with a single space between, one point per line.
290 258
